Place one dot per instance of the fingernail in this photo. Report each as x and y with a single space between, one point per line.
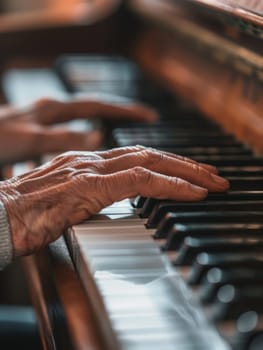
220 181
210 168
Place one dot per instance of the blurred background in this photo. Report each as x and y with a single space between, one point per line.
44 28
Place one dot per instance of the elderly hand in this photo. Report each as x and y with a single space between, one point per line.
75 185
25 134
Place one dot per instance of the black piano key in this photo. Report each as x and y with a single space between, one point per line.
255 341
233 300
230 160
192 246
216 277
171 219
206 261
238 194
165 142
246 171
248 183
170 133
138 202
164 207
148 207
189 151
178 126
179 232
162 127
152 203
249 332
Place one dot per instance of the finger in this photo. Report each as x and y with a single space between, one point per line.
116 152
56 141
134 112
144 182
8 112
49 112
161 163
61 140
209 167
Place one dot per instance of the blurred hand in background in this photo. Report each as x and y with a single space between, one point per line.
29 133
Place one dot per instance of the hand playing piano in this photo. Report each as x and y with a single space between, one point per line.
42 203
29 133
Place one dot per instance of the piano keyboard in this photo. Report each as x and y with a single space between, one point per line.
146 300
181 275
175 275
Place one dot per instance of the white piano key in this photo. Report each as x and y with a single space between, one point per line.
152 341
140 278
117 233
122 252
182 339
130 304
125 345
136 286
127 263
141 323
120 231
135 244
100 219
83 240
124 223
107 289
117 211
25 86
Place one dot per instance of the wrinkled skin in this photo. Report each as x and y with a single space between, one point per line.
29 133
75 185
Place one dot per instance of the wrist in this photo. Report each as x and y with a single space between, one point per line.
9 198
6 246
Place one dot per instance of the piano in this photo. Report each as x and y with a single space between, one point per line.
150 274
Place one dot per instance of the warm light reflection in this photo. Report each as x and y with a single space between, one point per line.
20 14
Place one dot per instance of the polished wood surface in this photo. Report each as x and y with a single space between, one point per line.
247 10
220 77
65 315
55 14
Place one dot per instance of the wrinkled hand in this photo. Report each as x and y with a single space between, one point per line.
25 134
75 185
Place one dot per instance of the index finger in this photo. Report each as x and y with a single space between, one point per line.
51 111
105 110
121 151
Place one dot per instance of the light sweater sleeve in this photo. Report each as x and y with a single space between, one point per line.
6 251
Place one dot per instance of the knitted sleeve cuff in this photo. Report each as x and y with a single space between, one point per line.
6 251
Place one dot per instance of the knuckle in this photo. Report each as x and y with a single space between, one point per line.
65 155
141 175
178 182
197 169
152 156
79 175
174 181
67 171
138 147
84 176
184 159
70 156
